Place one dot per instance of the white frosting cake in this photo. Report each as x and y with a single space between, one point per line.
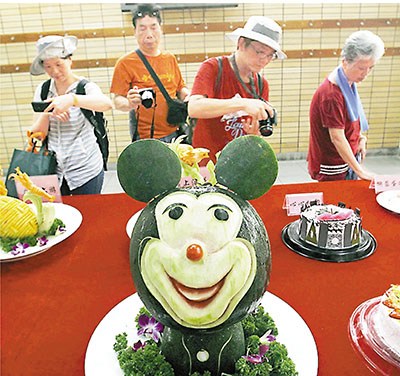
330 226
387 320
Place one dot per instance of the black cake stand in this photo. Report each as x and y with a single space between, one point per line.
290 236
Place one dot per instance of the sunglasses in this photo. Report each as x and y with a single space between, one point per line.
140 14
143 13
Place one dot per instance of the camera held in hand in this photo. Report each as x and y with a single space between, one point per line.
148 96
267 126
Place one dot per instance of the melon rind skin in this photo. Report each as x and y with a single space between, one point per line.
252 229
247 166
182 349
147 168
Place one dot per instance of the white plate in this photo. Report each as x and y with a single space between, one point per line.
101 359
72 219
131 222
389 200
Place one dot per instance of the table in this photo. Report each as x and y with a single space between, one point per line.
51 303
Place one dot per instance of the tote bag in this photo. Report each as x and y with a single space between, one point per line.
42 163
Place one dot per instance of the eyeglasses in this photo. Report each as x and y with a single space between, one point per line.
264 55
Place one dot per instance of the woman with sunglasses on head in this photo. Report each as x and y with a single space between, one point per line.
69 134
229 97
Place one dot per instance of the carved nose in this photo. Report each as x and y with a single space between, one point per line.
194 252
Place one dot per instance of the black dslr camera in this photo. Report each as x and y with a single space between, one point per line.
148 96
267 126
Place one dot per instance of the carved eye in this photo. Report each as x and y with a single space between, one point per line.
221 214
175 212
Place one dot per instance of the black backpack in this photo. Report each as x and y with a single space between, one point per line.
97 119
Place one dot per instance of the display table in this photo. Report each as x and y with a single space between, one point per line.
52 302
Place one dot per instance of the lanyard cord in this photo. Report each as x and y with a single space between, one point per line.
152 120
253 91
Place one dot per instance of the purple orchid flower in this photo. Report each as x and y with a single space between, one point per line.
138 345
61 229
257 358
42 241
19 248
267 337
150 328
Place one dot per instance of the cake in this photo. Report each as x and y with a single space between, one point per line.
387 321
330 226
200 256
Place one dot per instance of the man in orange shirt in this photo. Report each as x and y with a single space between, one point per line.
130 75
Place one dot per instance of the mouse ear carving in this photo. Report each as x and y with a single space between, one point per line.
147 168
248 166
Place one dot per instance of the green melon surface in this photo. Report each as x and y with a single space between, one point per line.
147 168
247 166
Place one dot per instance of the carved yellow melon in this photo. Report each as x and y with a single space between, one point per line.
17 218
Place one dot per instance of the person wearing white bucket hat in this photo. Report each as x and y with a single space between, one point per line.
229 96
69 133
263 30
52 46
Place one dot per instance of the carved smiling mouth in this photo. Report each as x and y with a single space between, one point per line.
198 297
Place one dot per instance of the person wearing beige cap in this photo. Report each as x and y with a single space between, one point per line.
229 96
69 133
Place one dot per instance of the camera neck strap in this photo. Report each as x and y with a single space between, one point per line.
159 84
154 75
152 121
253 91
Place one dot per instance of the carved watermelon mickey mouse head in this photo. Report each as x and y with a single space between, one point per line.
200 256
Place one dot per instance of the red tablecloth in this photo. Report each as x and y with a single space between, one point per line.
51 303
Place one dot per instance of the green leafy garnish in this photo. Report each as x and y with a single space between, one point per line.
258 323
148 360
7 244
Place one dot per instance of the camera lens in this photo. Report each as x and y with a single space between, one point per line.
265 128
147 96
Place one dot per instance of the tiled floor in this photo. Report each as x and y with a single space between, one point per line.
293 171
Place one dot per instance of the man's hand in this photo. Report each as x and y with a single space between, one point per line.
258 110
134 98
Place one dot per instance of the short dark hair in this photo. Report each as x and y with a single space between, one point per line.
146 10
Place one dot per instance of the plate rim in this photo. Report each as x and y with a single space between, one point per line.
360 337
306 336
78 218
381 196
131 222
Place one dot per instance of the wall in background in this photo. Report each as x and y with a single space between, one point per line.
313 35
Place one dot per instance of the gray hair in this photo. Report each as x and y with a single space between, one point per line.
362 44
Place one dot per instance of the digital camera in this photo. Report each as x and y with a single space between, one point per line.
267 126
148 96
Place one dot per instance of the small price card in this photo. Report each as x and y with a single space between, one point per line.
49 183
385 183
294 202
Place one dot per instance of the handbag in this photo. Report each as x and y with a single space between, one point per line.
177 109
31 161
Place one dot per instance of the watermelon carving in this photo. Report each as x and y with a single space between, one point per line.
200 256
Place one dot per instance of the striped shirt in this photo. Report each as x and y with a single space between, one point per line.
74 142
